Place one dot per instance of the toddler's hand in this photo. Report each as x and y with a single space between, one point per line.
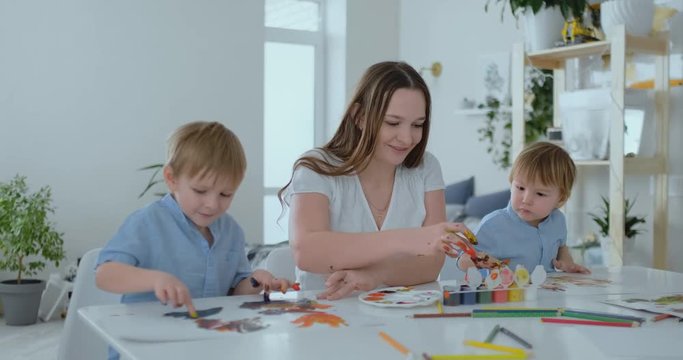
570 267
170 290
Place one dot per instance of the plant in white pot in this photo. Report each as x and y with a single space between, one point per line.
543 19
27 240
630 227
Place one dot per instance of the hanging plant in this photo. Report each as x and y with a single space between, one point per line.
538 116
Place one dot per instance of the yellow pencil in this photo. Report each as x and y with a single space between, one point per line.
395 344
483 345
439 307
478 356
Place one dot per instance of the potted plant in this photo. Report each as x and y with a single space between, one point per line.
630 222
544 20
630 227
27 239
538 116
568 8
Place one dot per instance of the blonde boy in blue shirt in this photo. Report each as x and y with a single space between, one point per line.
185 245
531 230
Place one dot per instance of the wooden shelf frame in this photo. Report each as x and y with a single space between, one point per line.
617 47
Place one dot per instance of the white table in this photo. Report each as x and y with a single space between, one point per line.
360 339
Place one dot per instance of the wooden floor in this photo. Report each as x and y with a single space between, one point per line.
33 342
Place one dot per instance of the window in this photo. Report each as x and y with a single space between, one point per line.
293 97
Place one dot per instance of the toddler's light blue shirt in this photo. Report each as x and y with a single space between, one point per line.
160 236
504 235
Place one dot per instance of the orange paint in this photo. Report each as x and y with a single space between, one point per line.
319 318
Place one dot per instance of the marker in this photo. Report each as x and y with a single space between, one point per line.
515 337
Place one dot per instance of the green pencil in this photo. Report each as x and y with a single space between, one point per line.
497 314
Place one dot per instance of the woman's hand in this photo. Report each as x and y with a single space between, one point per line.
344 282
454 239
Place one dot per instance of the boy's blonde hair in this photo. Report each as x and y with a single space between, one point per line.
206 148
548 164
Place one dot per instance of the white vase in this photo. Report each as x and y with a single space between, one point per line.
543 29
636 16
610 256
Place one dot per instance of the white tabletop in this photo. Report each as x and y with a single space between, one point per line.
141 332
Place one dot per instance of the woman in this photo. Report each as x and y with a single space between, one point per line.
368 207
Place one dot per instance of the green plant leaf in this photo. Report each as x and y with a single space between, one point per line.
27 236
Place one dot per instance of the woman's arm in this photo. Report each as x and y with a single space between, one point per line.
394 255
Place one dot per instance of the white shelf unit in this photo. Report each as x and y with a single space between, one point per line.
618 47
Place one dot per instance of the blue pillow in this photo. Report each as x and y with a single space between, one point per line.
458 193
478 206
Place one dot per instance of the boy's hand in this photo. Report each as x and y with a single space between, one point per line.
570 267
170 290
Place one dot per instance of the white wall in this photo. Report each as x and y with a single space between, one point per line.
360 33
456 33
89 91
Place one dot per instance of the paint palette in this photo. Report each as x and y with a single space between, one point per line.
400 297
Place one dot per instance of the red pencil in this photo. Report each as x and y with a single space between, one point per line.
588 322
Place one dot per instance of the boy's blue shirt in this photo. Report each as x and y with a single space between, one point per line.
160 237
504 235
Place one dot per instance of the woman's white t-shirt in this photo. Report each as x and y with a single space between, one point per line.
349 209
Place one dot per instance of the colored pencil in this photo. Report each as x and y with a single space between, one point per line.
439 307
511 308
661 317
395 344
503 348
595 317
589 322
425 356
492 334
501 314
478 356
515 337
440 315
548 311
603 314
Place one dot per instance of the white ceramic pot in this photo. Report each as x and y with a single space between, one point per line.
543 29
636 15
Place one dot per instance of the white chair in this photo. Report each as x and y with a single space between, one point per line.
78 341
280 263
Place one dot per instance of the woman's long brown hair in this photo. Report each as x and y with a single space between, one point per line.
352 147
